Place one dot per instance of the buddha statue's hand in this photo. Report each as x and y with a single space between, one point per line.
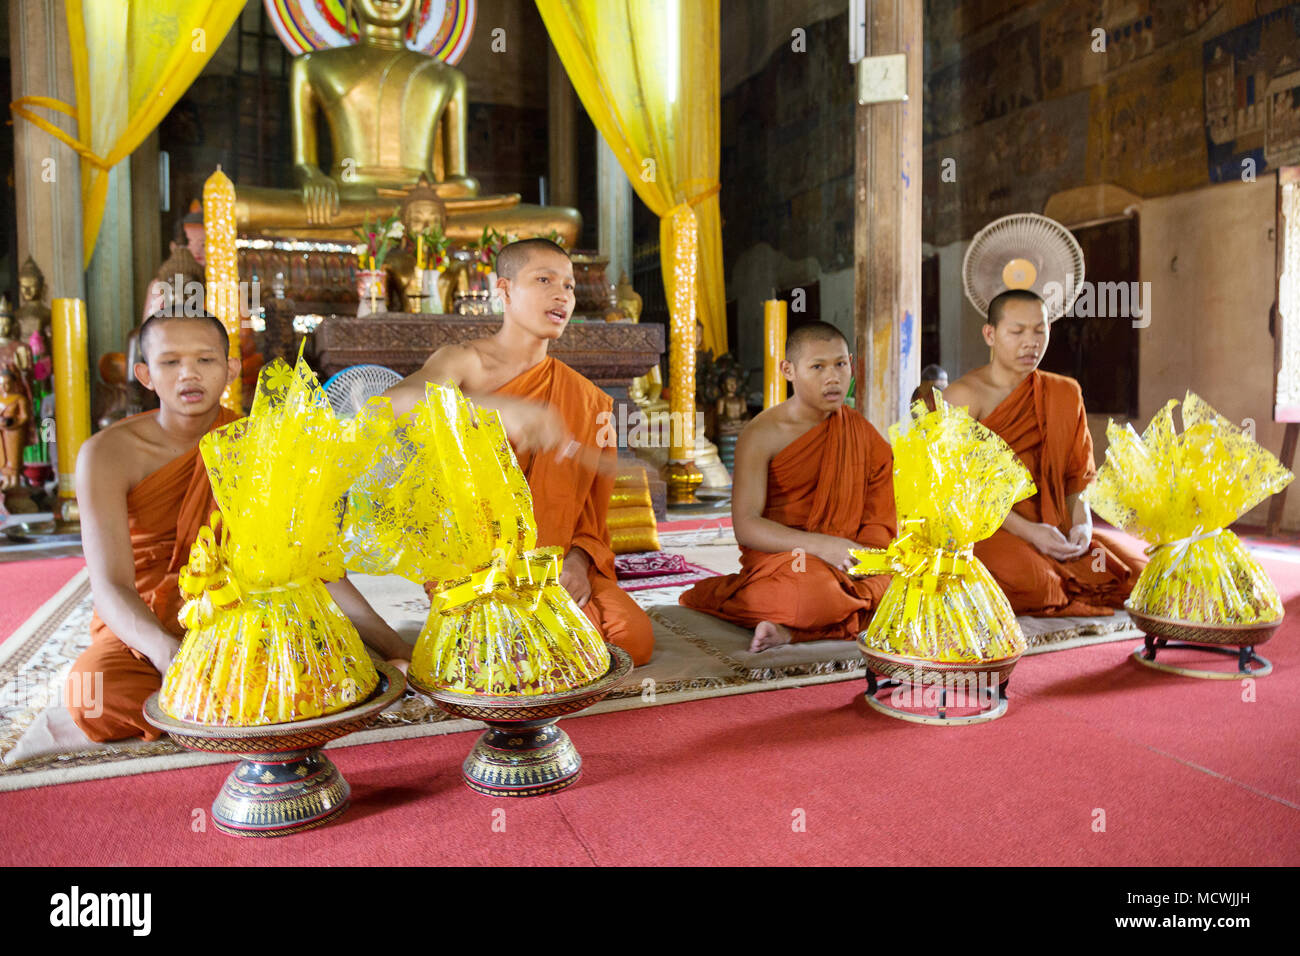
320 194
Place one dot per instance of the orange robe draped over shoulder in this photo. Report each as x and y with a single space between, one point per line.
165 512
1044 422
836 479
571 500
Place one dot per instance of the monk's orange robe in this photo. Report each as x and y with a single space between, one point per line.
571 500
836 479
165 512
1044 422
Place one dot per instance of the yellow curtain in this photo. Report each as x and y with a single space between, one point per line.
143 57
647 73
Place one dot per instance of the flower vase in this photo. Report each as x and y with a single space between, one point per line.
372 292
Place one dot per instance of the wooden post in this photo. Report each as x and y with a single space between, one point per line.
561 134
887 224
47 174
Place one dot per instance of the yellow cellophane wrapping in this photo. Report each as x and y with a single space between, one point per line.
451 509
1180 491
954 483
265 642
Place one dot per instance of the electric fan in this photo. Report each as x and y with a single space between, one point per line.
348 389
1024 251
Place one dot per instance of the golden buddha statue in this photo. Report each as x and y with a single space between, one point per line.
33 314
393 114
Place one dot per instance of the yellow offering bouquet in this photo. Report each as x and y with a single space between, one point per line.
265 643
1180 491
451 510
954 482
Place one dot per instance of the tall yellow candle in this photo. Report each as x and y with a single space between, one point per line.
681 339
71 396
221 270
773 351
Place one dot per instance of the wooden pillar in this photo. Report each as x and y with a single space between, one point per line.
146 221
561 134
47 174
887 213
614 194
110 277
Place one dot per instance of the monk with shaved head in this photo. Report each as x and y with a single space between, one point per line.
1046 556
143 494
813 480
553 417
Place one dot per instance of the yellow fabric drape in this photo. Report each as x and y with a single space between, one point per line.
647 73
143 58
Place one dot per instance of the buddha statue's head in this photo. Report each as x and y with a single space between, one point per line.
30 282
383 13
422 210
8 326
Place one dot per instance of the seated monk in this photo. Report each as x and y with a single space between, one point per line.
143 493
1046 556
552 416
813 480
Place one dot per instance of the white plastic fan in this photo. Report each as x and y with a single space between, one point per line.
1024 251
349 389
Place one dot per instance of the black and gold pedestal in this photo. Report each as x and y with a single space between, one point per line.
1230 640
283 784
978 686
523 753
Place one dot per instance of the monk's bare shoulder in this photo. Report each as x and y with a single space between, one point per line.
969 392
123 453
765 434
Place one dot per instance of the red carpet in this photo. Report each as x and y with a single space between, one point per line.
1185 771
26 585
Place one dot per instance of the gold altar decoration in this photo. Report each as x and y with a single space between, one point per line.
265 643
647 74
450 508
1180 491
404 116
221 270
71 399
142 64
774 333
954 483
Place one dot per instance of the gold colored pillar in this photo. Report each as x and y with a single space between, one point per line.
680 473
774 331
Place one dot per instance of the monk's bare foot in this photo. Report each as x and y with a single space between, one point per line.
53 732
768 635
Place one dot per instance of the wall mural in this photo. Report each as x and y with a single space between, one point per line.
1252 95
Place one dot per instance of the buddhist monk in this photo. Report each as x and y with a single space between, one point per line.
143 495
813 480
554 418
1046 556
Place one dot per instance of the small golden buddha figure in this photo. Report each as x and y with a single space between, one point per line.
733 410
629 300
33 314
393 114
15 416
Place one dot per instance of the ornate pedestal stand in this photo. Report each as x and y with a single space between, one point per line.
986 681
283 783
523 753
1231 640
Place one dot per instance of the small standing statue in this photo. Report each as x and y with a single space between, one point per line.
15 419
33 314
733 414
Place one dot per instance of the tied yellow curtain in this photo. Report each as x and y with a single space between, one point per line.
131 62
647 73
